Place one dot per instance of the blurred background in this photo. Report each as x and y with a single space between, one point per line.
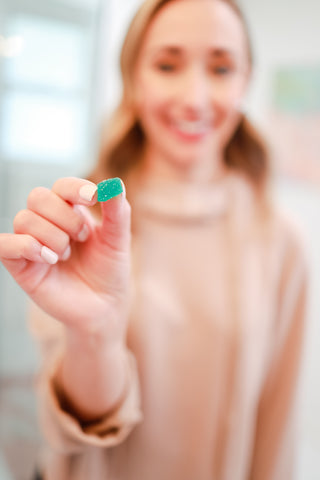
58 80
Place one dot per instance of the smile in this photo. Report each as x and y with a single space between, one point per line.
191 129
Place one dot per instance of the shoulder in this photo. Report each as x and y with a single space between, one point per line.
288 230
279 230
290 245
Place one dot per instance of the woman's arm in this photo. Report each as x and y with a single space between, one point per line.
66 427
77 270
92 377
273 455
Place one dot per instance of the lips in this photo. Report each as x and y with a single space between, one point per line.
191 130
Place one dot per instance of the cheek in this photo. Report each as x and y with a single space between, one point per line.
228 116
154 93
151 106
228 103
147 112
230 91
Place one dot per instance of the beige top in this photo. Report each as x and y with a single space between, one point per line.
214 346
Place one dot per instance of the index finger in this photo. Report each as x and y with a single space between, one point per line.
76 190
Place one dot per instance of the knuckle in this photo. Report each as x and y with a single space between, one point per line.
21 221
56 184
37 196
62 183
62 243
74 222
29 247
77 226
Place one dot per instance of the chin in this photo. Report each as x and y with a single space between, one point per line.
186 162
190 156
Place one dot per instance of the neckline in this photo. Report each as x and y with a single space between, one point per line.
182 201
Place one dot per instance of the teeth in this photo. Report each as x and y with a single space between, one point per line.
191 127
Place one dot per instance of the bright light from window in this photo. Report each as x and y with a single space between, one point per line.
54 54
11 46
42 128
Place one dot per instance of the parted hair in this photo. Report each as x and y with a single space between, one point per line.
123 139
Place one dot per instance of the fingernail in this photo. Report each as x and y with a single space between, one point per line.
124 192
49 256
84 233
66 254
87 192
110 188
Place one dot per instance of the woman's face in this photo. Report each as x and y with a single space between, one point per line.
190 79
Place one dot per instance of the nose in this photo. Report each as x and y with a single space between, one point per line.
194 91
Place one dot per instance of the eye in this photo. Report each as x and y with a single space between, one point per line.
221 70
166 67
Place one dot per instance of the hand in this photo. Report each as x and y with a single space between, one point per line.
75 268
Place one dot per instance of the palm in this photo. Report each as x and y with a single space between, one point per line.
92 283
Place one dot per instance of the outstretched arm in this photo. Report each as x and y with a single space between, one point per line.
77 271
273 455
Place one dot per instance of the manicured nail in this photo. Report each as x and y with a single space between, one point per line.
66 254
84 233
49 256
124 193
110 188
87 192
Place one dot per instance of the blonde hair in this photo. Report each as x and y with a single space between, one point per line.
123 145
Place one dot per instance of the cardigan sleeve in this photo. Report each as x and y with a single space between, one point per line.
63 431
274 445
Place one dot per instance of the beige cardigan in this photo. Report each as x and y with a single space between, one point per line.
214 346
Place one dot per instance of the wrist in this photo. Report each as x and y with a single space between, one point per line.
94 341
85 368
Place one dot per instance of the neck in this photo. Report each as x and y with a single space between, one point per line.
203 172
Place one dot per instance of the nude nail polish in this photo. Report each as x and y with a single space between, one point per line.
87 192
66 254
49 255
84 233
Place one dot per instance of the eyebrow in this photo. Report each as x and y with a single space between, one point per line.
175 51
167 49
222 52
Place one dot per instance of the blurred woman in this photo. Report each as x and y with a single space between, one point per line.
172 353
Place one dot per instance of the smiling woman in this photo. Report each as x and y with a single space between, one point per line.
172 348
206 64
189 110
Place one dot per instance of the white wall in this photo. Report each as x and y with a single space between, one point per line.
116 16
285 33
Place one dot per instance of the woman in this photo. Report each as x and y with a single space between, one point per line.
174 355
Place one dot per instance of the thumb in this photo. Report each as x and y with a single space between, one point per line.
115 229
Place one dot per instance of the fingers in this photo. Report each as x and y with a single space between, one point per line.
43 230
50 206
24 247
57 206
76 191
116 212
115 230
15 247
54 217
46 233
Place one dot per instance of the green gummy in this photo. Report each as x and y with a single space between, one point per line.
109 188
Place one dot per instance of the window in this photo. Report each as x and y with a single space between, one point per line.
46 86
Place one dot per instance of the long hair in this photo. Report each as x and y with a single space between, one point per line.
123 140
